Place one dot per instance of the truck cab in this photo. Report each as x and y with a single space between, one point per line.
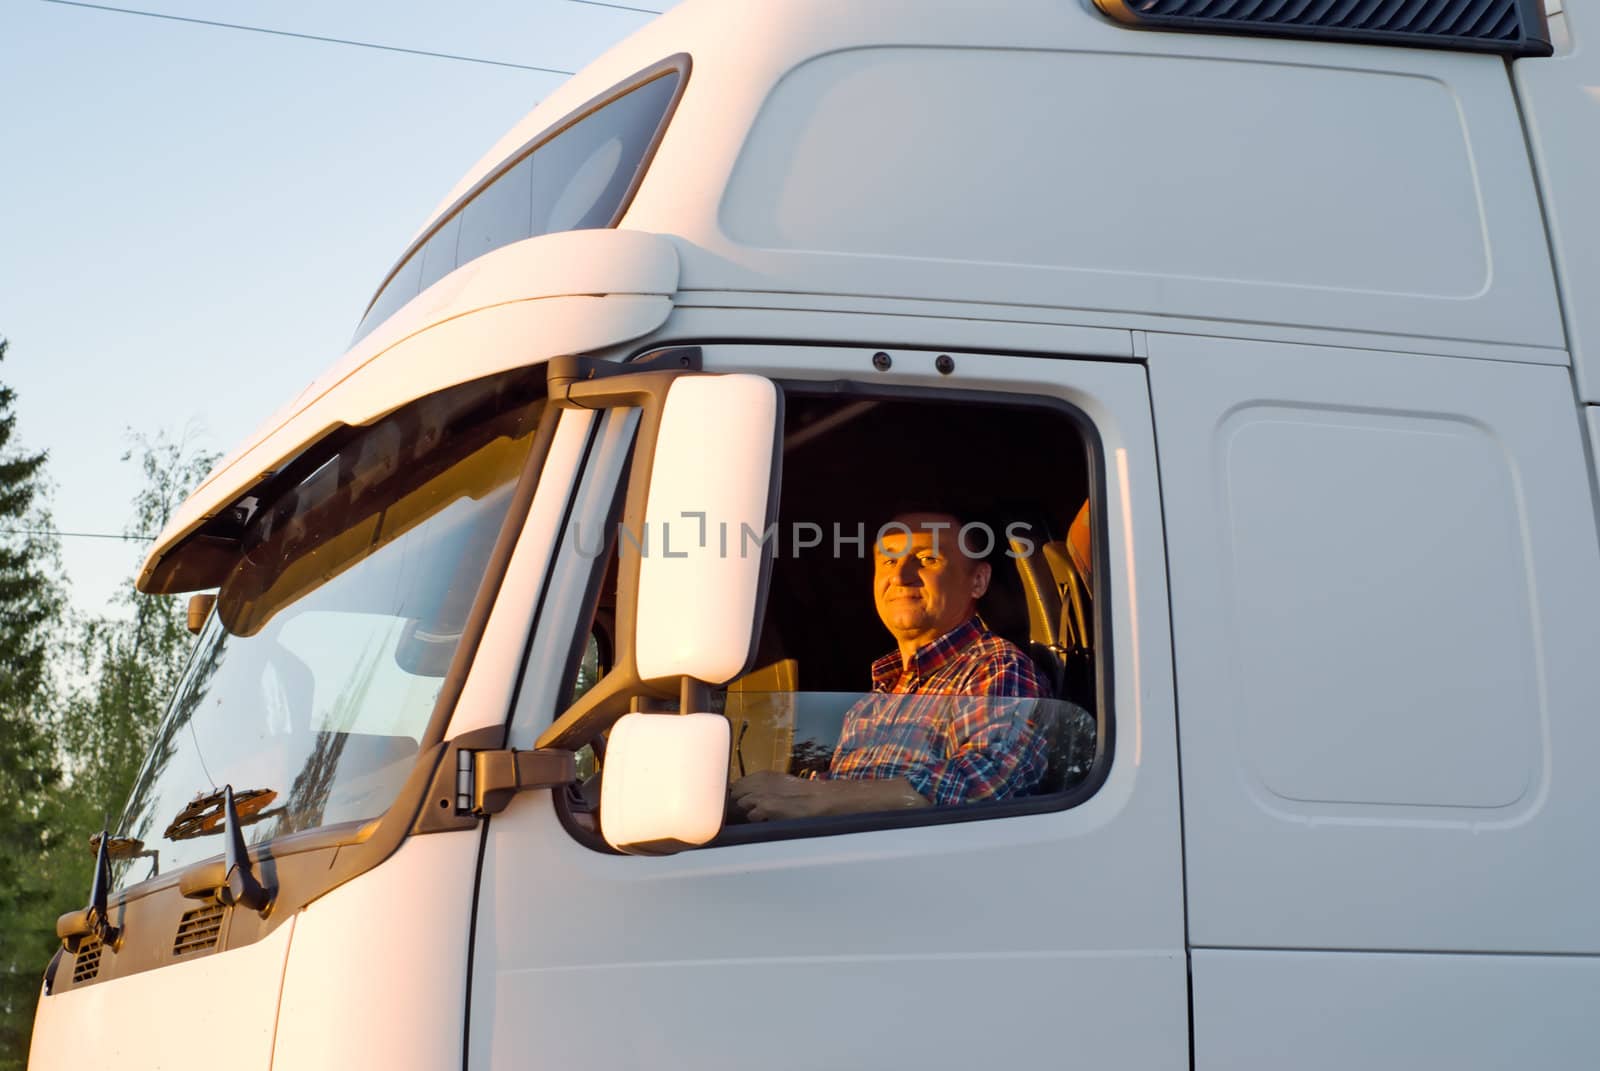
1253 353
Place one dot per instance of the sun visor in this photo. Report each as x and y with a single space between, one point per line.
521 305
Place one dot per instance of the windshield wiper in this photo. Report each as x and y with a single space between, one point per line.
232 881
95 919
203 815
127 848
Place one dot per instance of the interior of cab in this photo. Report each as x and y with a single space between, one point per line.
1019 475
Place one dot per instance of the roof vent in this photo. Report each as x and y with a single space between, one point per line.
198 931
1509 27
86 964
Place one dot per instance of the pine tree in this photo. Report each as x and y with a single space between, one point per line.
30 614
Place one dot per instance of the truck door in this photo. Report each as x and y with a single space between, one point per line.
1033 917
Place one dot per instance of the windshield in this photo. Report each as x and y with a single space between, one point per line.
313 683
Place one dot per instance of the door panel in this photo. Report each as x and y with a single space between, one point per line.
1033 938
1383 568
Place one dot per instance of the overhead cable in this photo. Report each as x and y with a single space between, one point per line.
618 7
75 535
307 36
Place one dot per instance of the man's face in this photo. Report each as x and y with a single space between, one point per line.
923 585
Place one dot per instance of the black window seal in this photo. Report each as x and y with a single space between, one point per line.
679 63
1099 772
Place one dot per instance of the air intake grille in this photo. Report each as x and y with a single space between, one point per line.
1512 27
86 964
198 930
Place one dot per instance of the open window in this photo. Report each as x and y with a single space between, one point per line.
1003 712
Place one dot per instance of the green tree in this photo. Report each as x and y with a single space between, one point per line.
30 616
124 666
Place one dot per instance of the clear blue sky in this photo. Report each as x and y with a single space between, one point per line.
192 218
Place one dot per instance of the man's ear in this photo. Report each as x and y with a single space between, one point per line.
981 574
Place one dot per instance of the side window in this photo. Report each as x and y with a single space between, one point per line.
581 174
928 647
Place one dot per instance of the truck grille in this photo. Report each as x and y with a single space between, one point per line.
1510 27
86 964
198 931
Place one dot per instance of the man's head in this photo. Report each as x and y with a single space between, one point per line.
924 583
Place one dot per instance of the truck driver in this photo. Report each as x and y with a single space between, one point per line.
958 729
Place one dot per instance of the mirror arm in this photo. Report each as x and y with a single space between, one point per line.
598 709
694 696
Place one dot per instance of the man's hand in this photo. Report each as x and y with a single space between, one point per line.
768 796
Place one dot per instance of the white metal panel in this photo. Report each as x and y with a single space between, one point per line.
213 1009
378 973
742 54
1037 938
486 696
940 155
1333 1011
457 350
1382 573
1560 98
1380 607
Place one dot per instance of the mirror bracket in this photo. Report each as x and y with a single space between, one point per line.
498 775
573 381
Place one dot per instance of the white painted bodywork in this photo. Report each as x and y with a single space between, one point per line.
372 982
810 132
183 1015
1384 571
1332 1011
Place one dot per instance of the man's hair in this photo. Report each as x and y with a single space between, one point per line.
948 537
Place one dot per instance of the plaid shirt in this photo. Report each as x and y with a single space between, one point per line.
982 746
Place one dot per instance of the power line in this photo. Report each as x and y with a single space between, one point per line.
306 36
619 7
75 535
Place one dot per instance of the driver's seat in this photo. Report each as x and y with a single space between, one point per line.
1057 595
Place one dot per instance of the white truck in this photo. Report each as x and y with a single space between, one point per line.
1266 333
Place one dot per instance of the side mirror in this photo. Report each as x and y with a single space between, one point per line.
200 609
695 546
708 512
666 782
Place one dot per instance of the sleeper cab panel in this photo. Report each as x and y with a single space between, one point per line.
1350 188
1383 568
